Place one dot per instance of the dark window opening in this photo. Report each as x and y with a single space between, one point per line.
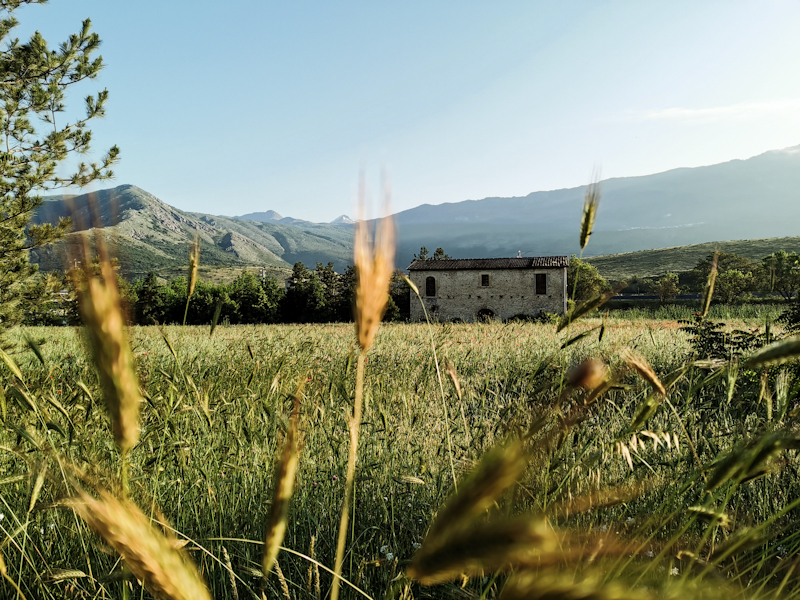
541 284
430 286
484 280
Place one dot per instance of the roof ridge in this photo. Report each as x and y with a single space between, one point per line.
557 261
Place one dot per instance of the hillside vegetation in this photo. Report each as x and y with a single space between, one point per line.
150 235
653 263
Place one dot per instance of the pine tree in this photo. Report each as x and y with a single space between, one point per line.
36 139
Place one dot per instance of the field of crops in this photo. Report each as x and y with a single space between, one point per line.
616 508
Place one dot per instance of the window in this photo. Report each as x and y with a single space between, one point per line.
430 286
485 280
541 284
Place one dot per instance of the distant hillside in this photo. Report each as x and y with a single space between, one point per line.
741 199
269 216
653 263
151 235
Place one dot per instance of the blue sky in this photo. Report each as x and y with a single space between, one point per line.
241 106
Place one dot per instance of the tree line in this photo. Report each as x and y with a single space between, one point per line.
319 295
738 279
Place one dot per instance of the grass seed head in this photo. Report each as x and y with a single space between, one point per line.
533 585
588 375
194 263
775 354
708 293
285 473
590 204
485 547
101 311
497 471
374 262
644 370
149 555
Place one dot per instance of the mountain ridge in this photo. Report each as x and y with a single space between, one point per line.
752 198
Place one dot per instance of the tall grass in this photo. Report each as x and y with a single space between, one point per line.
215 409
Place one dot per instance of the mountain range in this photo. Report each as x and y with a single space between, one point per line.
271 216
150 235
741 199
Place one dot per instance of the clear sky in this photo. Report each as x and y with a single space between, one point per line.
236 106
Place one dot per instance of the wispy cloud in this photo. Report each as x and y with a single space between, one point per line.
747 110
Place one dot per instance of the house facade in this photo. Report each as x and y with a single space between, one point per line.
498 288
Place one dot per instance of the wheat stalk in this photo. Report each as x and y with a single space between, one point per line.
285 472
194 263
101 311
374 263
591 203
147 553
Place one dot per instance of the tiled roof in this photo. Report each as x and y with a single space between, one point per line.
531 262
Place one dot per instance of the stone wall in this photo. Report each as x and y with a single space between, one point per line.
511 292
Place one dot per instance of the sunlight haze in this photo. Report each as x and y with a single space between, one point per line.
244 106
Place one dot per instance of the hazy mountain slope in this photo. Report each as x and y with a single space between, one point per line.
741 199
151 235
269 216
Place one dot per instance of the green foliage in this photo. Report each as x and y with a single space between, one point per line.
682 259
318 296
247 299
305 298
584 280
780 273
716 340
666 288
438 254
34 81
256 301
736 276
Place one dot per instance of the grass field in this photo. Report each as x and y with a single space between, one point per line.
217 409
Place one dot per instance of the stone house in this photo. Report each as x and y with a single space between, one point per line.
500 288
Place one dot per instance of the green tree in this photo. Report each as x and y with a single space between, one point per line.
329 279
256 301
666 288
588 278
401 297
346 294
50 300
438 254
734 275
731 285
304 301
38 138
780 272
149 305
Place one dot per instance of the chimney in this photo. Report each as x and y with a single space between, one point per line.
519 253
